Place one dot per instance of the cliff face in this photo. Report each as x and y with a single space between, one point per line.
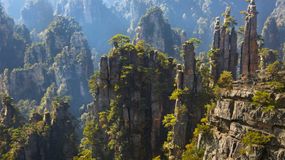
63 59
37 15
13 42
99 23
193 16
132 89
249 53
242 129
274 27
154 30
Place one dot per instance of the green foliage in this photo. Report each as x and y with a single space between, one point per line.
264 99
130 48
84 155
277 86
202 129
93 84
89 141
195 41
119 40
26 108
156 158
225 80
212 53
266 51
140 46
210 107
255 138
192 152
229 20
273 69
179 93
169 121
60 101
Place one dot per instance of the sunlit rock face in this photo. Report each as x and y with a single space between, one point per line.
234 117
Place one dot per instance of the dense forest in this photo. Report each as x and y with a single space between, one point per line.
142 79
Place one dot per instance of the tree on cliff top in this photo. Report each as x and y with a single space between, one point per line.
119 40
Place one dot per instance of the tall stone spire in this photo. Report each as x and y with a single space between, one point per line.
224 47
216 42
189 65
249 60
216 58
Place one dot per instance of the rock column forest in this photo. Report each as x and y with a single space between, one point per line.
153 96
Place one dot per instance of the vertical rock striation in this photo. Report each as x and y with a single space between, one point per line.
187 112
135 87
249 56
224 48
155 30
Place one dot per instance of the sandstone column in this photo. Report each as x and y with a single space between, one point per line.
215 59
249 59
189 65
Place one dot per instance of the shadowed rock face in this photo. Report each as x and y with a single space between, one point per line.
63 59
139 85
98 22
37 15
154 30
274 28
13 40
249 55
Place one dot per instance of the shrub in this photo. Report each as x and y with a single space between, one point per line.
273 69
277 86
225 80
255 138
192 152
202 129
169 121
210 107
263 98
119 40
179 93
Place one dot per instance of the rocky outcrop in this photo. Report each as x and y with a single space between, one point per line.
187 111
134 87
274 27
193 16
63 59
249 53
189 78
185 81
154 30
26 83
242 130
224 49
13 42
